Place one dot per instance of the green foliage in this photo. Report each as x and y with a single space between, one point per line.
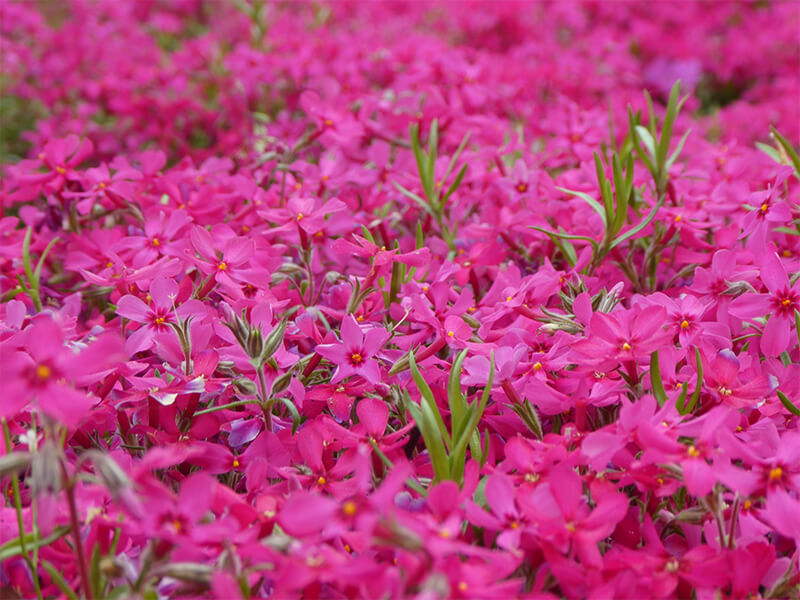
447 448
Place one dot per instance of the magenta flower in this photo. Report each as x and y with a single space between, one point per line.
46 371
154 319
778 303
356 353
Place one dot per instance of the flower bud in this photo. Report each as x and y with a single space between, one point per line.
14 463
45 472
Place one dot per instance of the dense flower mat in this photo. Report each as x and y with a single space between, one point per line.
399 300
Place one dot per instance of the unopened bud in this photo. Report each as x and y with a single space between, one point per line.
245 386
274 340
14 462
110 473
189 572
45 472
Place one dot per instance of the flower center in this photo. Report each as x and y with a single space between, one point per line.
626 346
725 391
672 565
684 324
693 452
522 188
775 473
43 372
222 266
321 480
156 242
356 358
349 508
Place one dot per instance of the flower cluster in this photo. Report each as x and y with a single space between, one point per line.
399 300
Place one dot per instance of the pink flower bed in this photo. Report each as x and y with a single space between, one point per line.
400 300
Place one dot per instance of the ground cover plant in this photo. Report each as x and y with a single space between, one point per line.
399 300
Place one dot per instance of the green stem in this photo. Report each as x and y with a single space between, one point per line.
69 490
20 521
228 406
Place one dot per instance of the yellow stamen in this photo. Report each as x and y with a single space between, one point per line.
672 565
300 216
321 480
626 346
61 170
235 463
43 372
537 366
693 452
775 473
451 334
684 324
356 358
349 508
156 241
222 266
786 302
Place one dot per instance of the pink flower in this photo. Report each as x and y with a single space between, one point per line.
356 353
51 374
779 303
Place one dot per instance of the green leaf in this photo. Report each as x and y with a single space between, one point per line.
425 206
680 403
367 233
673 106
433 442
696 394
647 140
788 403
455 396
14 547
770 151
797 324
590 201
37 274
455 156
292 411
433 150
655 380
59 580
642 224
454 186
787 146
786 230
677 152
637 144
428 400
